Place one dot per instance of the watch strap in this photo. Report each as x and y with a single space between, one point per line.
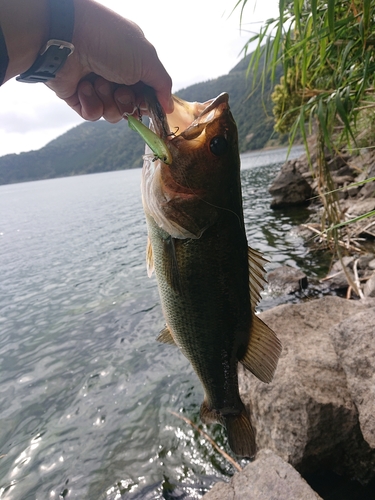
4 58
55 52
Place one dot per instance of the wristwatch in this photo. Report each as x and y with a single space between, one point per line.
55 52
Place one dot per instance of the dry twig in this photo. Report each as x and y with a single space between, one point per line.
356 279
209 439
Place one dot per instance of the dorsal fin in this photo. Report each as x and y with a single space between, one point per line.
165 336
149 258
264 348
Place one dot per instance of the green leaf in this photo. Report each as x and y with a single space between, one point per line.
322 117
331 16
297 15
345 54
282 9
352 221
314 8
343 114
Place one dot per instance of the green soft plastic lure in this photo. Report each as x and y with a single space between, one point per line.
154 142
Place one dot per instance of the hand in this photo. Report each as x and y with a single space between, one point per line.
111 62
111 57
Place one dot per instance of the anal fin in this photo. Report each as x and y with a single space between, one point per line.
263 351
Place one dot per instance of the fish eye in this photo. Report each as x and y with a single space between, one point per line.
218 145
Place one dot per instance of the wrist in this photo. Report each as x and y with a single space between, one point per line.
25 27
58 48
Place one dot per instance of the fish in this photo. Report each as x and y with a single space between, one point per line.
209 279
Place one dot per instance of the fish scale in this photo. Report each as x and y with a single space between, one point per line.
205 308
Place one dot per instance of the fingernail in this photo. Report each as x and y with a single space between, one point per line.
105 89
124 99
143 106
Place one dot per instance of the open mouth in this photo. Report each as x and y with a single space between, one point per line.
188 119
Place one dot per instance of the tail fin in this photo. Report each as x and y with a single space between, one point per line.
241 435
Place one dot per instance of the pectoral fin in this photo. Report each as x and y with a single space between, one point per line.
149 258
166 337
263 351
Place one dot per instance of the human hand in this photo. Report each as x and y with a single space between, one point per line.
111 57
109 67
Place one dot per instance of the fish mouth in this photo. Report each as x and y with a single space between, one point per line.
188 120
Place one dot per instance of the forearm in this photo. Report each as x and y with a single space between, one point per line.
25 27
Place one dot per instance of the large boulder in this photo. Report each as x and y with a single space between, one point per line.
267 478
308 415
353 340
290 187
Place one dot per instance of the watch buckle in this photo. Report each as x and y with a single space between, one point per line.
61 44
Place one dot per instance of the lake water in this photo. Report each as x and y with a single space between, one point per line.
86 392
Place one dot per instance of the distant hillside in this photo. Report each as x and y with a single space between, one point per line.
101 147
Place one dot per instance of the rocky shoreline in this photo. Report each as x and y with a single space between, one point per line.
317 417
318 414
295 185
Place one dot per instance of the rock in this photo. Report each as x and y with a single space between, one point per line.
289 187
369 288
353 340
371 264
339 164
368 190
353 191
307 415
267 478
286 280
220 491
342 180
344 170
337 278
364 261
358 207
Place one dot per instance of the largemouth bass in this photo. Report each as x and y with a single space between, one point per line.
209 280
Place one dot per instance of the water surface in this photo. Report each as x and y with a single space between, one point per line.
85 390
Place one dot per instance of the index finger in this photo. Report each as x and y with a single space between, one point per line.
156 76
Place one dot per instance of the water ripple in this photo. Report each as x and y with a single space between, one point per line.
85 391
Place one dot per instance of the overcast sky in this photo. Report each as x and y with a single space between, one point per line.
196 40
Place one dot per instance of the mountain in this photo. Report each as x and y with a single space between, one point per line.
101 147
